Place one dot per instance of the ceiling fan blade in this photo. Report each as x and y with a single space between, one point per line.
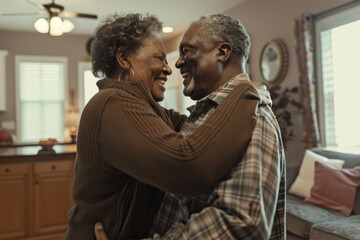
75 15
20 14
37 5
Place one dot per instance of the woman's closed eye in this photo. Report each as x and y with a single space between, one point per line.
161 58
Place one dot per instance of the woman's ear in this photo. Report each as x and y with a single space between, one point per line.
224 51
122 60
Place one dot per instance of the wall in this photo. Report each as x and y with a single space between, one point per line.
172 44
28 43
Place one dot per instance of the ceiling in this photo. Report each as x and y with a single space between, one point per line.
175 13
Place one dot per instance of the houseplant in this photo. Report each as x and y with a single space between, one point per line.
283 100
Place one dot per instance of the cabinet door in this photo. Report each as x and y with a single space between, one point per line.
14 197
53 183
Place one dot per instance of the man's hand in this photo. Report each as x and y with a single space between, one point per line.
99 232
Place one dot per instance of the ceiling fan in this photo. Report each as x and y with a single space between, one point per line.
54 24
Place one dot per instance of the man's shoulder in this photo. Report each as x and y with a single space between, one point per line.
255 90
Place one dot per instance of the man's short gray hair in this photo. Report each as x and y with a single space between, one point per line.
219 28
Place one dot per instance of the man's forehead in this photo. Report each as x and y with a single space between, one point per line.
190 35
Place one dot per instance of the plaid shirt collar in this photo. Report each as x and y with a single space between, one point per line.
221 93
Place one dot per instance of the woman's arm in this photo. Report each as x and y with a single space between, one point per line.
136 141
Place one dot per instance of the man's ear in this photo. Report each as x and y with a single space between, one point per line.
224 51
122 60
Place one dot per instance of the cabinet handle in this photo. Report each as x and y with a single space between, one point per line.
7 170
53 167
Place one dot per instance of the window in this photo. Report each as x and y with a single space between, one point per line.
41 89
87 84
3 54
338 51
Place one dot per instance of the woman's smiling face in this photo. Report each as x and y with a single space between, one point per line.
150 66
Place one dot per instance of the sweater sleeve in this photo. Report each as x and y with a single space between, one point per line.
135 140
177 119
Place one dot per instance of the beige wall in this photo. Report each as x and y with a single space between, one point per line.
172 44
28 43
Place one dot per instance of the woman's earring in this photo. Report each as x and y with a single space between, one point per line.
133 73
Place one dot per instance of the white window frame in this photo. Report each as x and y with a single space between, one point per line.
3 54
82 67
33 58
340 17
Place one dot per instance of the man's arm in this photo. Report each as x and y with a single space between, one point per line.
243 205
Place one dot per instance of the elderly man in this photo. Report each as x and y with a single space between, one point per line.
249 202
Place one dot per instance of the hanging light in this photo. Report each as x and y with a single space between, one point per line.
167 29
42 25
55 27
67 26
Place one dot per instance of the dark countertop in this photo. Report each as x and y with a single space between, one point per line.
31 150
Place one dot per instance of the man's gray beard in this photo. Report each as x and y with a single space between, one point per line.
189 88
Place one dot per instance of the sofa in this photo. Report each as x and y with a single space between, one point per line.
306 220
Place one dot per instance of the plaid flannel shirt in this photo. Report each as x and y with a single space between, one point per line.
248 203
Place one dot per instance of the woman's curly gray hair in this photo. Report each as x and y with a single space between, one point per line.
124 32
219 28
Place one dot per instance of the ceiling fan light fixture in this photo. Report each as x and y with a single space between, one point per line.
56 26
42 25
67 26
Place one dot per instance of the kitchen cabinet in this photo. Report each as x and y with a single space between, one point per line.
35 196
14 197
53 181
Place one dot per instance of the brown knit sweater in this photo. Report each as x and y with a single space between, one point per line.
125 138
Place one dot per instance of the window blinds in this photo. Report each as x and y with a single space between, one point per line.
41 100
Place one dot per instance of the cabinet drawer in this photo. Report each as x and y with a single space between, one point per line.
13 168
54 166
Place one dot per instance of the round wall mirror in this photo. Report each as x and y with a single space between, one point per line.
274 61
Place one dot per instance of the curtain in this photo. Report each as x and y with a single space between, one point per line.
305 56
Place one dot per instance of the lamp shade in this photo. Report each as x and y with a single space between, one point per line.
67 26
167 29
56 26
72 119
42 25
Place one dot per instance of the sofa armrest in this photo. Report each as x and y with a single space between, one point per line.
351 160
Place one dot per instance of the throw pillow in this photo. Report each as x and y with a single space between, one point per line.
305 179
335 188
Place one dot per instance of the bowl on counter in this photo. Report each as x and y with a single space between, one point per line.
47 146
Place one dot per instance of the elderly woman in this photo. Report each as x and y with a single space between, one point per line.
127 141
